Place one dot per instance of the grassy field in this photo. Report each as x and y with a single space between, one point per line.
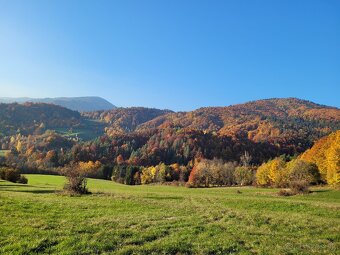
90 130
118 219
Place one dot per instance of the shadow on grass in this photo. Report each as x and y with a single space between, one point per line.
15 185
320 191
164 198
33 191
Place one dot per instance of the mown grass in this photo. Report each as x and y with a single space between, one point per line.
119 219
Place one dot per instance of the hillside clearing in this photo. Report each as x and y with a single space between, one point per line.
119 219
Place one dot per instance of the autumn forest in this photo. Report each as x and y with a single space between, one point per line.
256 143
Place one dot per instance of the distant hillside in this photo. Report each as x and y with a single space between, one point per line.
147 137
30 118
274 120
122 120
81 104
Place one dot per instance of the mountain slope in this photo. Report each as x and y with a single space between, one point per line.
30 118
274 120
123 120
81 104
143 136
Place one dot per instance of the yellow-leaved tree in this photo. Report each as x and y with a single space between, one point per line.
271 173
325 153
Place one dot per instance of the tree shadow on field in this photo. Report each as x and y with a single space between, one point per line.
33 191
321 191
165 198
15 185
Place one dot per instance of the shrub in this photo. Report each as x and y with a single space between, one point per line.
201 174
272 173
302 171
244 175
299 187
22 180
212 172
76 181
223 173
12 175
189 185
285 192
278 173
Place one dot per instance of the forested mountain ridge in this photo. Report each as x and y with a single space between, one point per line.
274 120
140 136
125 120
81 104
29 118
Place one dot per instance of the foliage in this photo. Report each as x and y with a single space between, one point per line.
12 175
76 182
325 153
206 173
146 137
244 175
126 174
123 120
294 174
22 180
302 171
272 173
33 118
299 187
159 174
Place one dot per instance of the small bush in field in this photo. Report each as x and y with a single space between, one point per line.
299 187
189 185
76 181
22 180
12 175
285 193
295 187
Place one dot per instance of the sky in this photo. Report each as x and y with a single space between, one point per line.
170 54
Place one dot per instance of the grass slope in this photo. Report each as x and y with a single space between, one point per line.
118 219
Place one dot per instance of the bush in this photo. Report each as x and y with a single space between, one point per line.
285 193
299 187
206 173
12 175
296 174
76 181
272 173
189 185
127 174
302 171
22 180
244 175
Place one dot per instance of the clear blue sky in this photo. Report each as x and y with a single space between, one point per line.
171 54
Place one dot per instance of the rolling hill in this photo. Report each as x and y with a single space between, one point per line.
35 118
144 136
29 118
125 120
81 104
273 120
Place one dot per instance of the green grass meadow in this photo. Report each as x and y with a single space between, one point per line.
118 219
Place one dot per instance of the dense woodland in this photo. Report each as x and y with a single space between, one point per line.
141 145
